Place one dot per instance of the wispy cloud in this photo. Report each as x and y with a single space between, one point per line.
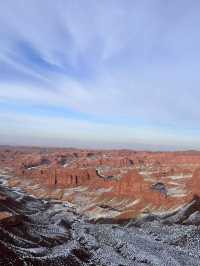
55 130
133 63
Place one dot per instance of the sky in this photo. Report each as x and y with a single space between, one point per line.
100 73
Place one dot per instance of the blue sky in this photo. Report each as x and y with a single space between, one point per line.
100 73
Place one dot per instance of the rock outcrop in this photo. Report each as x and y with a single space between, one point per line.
44 232
130 181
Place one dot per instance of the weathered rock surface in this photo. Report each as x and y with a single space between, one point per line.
4 215
129 182
48 232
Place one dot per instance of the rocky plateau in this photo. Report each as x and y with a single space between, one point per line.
99 207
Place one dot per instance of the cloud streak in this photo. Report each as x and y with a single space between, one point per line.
67 130
132 63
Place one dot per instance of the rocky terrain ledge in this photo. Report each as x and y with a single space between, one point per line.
35 231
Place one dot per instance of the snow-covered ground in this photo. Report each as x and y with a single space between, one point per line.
49 232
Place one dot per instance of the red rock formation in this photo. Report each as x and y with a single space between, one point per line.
125 174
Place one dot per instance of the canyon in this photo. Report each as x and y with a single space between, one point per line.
106 184
82 207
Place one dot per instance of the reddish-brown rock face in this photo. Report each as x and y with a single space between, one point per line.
193 183
129 181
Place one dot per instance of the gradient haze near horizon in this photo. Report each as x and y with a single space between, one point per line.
100 73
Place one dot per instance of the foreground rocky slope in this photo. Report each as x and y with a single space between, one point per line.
48 232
